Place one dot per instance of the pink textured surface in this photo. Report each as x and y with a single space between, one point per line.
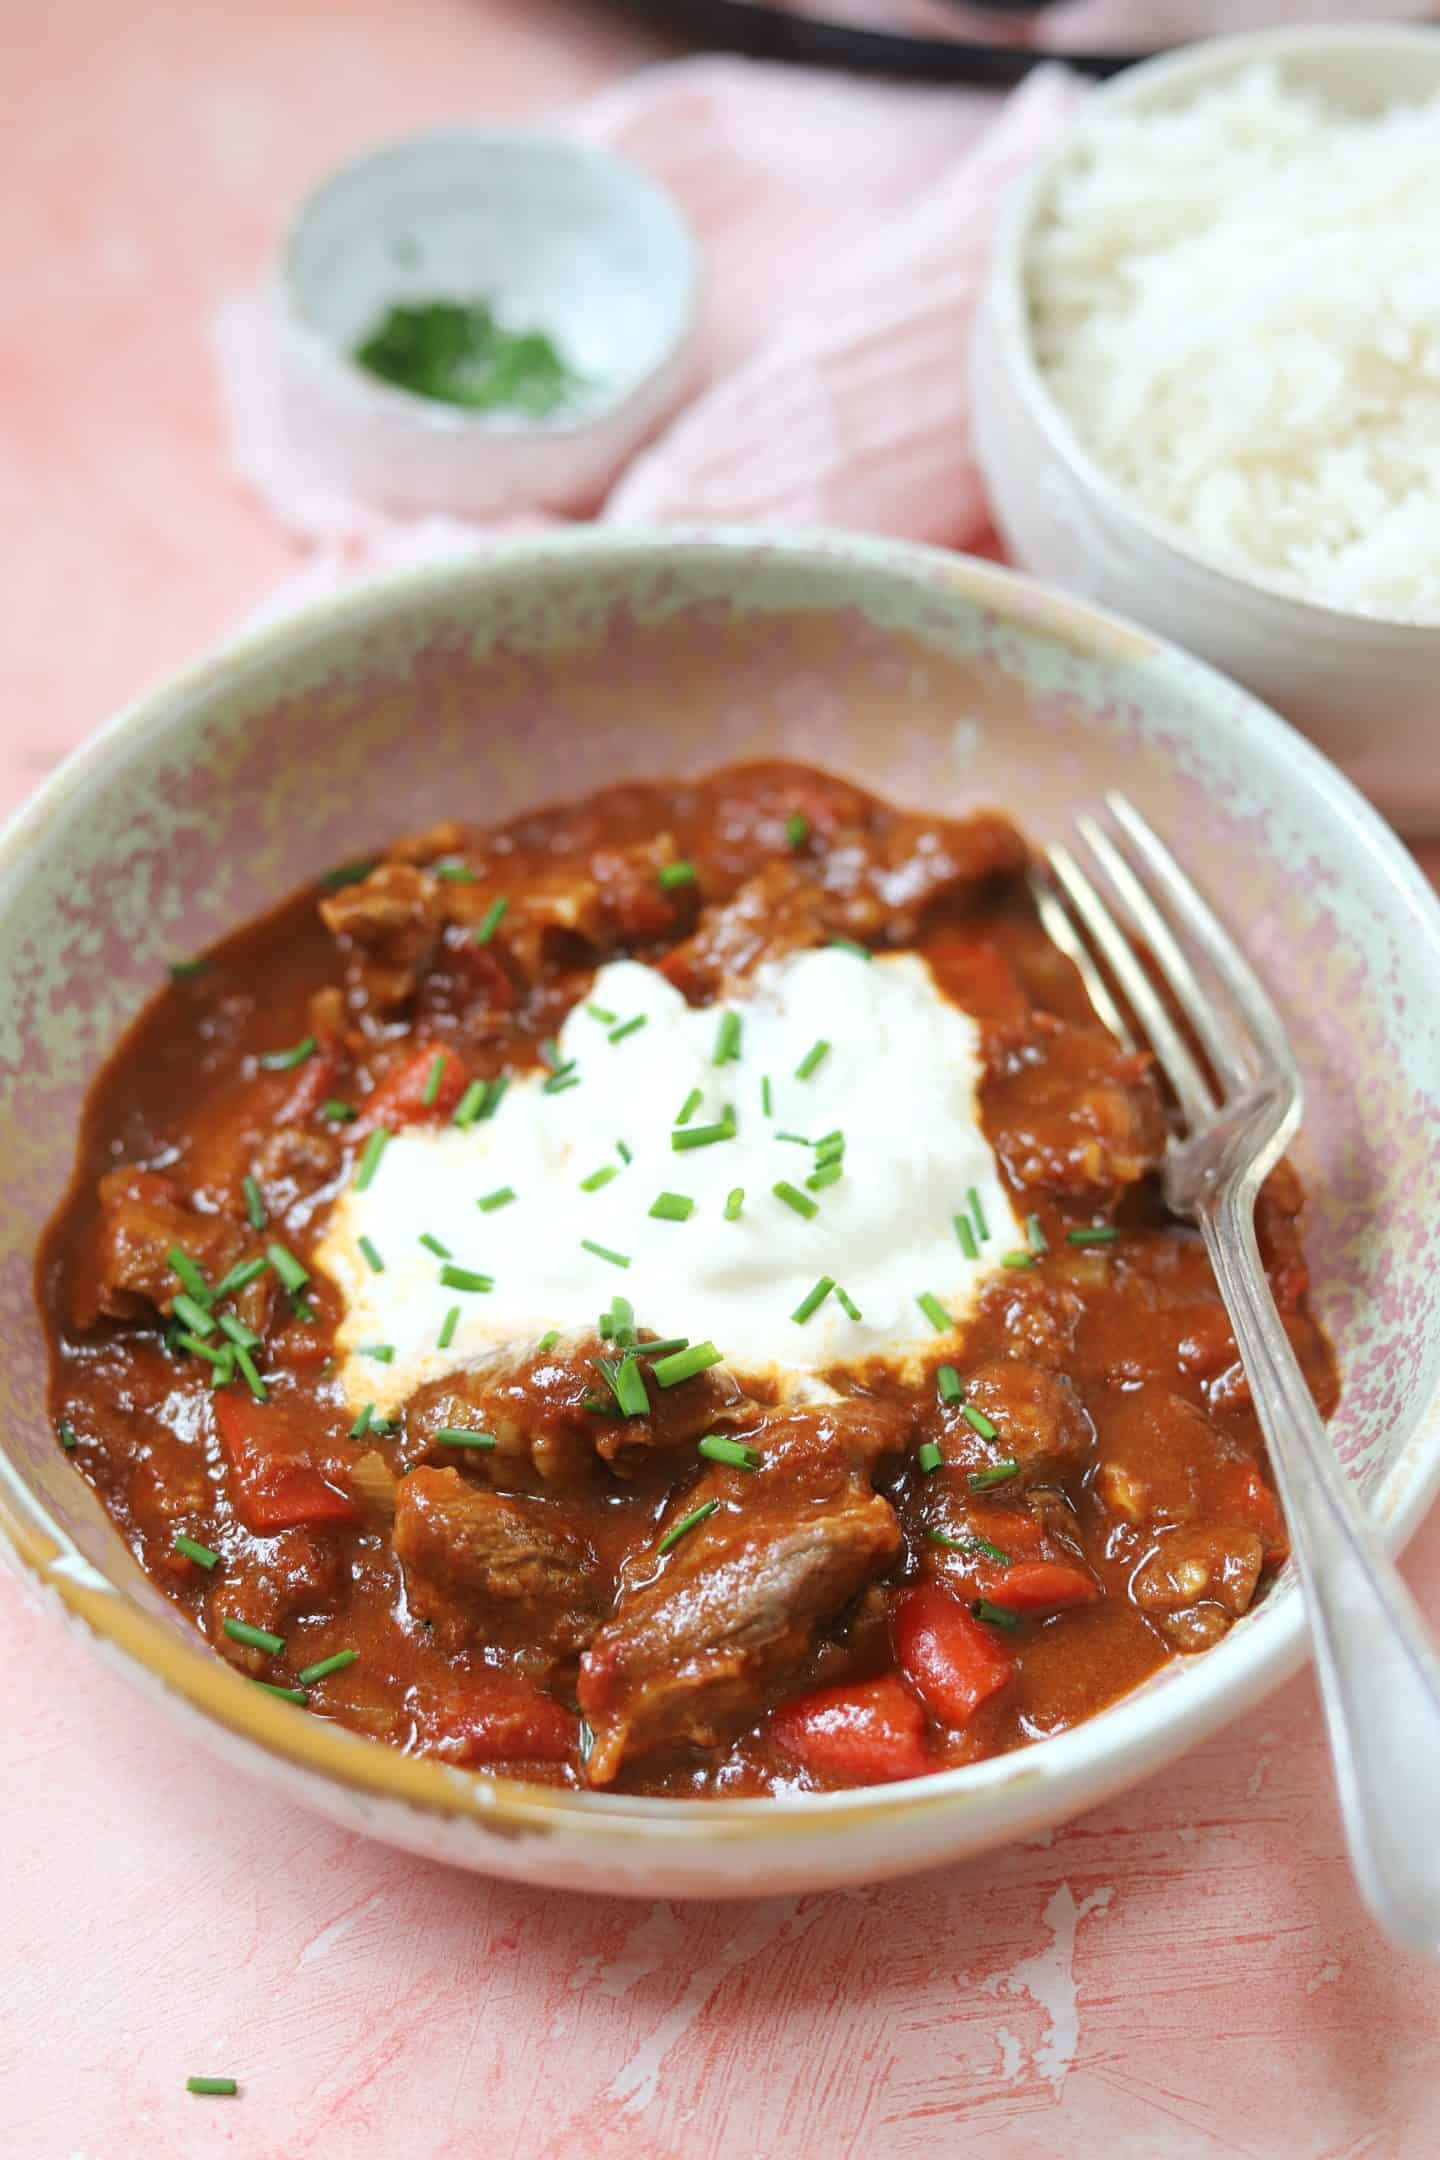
1185 1972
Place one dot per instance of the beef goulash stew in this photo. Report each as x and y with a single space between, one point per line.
671 1295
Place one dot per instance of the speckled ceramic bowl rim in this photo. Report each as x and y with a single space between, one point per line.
1007 314
1146 1728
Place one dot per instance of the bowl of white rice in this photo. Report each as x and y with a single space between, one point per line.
1207 378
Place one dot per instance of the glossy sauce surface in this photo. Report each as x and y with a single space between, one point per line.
883 1573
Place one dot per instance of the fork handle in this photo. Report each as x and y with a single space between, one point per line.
1378 1671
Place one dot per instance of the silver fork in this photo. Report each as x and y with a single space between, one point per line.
1378 1670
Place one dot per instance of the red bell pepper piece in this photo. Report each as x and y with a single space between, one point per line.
1041 1586
952 1662
501 1719
400 1097
869 1732
273 1480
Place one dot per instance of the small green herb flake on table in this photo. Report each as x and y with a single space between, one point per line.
457 353
213 2087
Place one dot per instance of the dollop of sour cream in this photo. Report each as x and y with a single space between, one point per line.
824 1042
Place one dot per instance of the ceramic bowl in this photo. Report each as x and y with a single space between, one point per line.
1364 689
558 236
562 664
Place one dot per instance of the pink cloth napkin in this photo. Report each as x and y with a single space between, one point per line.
845 227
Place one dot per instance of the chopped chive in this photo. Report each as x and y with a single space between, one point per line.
603 1252
982 1228
197 1348
501 1197
224 1371
628 1027
363 1423
286 1694
991 1552
547 1341
194 1315
464 1278
454 873
798 1138
599 1407
766 1101
691 1136
339 1113
828 1174
367 1246
235 1328
662 1346
428 1239
813 1300
550 1056
66 1432
671 874
847 1303
727 1040
1035 1234
239 1278
564 1076
687 1522
458 1436
382 1352
304 1313
490 921
603 1014
830 1147
254 1203
794 1198
183 970
1018 1259
325 1666
494 1094
672 1207
192 1277
813 1059
797 829
220 2085
846 944
690 1105
716 1448
287 1060
447 1332
620 1316
947 1380
734 1201
629 1385
192 1550
965 1231
586 1741
287 1267
370 1156
1101 1235
999 1473
254 1638
997 1615
432 1080
928 1456
597 1178
978 1421
934 1312
251 1376
471 1103
685 1364
350 873
623 1152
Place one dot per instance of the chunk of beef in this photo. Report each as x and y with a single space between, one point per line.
1197 1581
291 1164
586 908
387 927
1169 1320
882 884
1040 1423
1161 1460
774 913
706 1637
1069 1111
270 1585
128 1275
487 1570
546 1439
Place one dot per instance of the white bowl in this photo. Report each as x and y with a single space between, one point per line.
562 665
561 237
1367 690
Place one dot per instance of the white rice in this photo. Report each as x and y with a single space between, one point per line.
1238 304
